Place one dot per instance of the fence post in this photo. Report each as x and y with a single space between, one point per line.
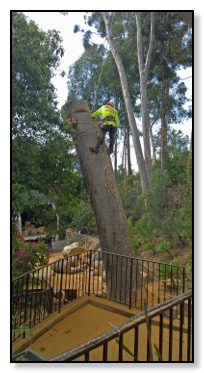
26 302
61 278
89 274
130 292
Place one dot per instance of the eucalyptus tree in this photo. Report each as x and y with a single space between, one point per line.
144 66
120 29
166 91
127 100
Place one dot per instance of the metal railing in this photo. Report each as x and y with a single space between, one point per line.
38 294
135 339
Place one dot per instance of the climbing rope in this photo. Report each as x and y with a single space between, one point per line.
101 70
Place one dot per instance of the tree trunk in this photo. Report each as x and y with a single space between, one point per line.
152 142
129 108
143 70
101 187
129 170
163 143
116 157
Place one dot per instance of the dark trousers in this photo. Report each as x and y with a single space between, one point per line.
107 128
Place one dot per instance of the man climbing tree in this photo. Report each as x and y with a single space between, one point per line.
110 122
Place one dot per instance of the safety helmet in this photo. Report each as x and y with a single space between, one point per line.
109 103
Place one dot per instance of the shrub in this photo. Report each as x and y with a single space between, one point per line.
28 255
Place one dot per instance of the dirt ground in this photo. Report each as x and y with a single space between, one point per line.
90 321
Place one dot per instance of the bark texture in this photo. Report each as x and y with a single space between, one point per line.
128 104
100 182
106 203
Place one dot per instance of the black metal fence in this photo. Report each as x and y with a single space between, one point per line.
146 337
45 290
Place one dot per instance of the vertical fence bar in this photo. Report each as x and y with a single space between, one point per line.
61 278
170 333
89 274
147 282
130 292
121 278
116 278
161 334
105 351
136 284
177 270
149 342
26 301
111 276
153 285
136 337
158 298
120 346
126 280
189 331
181 333
184 279
165 281
141 286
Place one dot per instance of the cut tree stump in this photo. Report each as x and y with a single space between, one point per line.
104 197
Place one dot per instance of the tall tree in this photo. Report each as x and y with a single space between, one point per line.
160 99
40 139
144 66
128 104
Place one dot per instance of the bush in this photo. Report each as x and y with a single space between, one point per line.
28 255
83 218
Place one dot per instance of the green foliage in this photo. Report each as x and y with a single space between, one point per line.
42 157
188 201
28 255
22 329
156 194
164 246
35 57
162 217
152 203
129 188
83 218
170 269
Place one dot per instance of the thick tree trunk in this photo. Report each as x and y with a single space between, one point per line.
101 186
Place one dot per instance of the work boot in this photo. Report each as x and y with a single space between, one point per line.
94 149
110 151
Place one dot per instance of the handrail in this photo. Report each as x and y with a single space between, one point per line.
124 327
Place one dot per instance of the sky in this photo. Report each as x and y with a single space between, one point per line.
72 43
5 198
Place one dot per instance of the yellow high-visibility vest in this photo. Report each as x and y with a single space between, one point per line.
108 112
